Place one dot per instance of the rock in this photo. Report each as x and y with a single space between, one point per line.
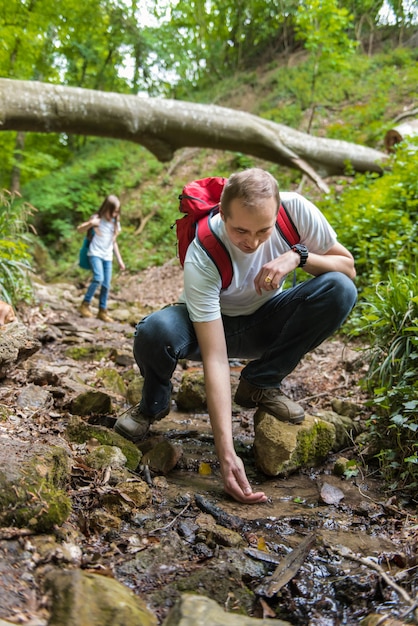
163 457
281 448
91 403
81 599
341 465
214 534
17 343
331 494
32 484
106 456
134 391
195 610
81 432
111 380
34 397
346 429
126 496
191 395
346 408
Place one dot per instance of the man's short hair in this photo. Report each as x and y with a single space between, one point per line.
249 186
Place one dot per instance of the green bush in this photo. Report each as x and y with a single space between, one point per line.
15 258
377 219
390 321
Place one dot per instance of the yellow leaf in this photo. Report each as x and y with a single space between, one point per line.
205 469
261 544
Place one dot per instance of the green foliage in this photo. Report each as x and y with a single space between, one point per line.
390 321
377 219
15 258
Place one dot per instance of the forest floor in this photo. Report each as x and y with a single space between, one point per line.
359 540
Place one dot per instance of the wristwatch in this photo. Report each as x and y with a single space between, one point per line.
302 251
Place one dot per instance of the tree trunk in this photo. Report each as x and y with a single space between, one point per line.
163 126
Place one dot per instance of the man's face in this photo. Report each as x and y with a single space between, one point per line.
246 228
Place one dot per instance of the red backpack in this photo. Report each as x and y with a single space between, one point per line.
199 201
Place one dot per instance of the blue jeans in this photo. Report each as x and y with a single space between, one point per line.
102 276
275 337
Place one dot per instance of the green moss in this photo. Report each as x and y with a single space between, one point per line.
80 432
36 499
87 353
111 379
314 444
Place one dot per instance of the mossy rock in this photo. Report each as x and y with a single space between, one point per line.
112 380
281 448
88 353
91 403
32 488
80 431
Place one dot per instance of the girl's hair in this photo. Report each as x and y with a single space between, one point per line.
249 186
110 204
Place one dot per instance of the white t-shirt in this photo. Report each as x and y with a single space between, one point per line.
102 243
202 292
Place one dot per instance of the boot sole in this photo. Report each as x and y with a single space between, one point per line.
126 435
289 420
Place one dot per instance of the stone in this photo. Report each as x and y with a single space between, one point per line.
91 403
125 497
17 343
80 431
111 380
281 448
80 598
191 395
106 456
196 610
346 429
32 485
163 457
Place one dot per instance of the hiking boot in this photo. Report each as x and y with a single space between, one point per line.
85 310
103 315
134 425
271 401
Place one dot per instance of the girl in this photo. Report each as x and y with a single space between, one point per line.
106 226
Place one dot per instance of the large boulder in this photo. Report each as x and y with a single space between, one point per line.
281 448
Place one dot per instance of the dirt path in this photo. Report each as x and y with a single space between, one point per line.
157 551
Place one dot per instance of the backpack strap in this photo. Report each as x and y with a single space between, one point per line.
286 227
215 249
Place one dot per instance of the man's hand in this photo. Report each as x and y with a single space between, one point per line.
272 274
236 483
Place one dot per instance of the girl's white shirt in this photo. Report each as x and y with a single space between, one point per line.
202 292
104 237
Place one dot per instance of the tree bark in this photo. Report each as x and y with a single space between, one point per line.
164 126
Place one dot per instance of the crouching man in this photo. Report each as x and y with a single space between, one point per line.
253 319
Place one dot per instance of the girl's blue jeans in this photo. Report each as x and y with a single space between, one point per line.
274 338
102 276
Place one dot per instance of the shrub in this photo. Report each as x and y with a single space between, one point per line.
391 323
15 259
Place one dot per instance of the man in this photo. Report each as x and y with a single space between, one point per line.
253 318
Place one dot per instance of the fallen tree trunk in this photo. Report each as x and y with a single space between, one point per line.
163 126
400 133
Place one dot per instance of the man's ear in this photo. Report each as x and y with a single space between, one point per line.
221 213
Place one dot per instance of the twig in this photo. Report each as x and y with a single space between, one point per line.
323 393
368 563
170 524
145 220
11 533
